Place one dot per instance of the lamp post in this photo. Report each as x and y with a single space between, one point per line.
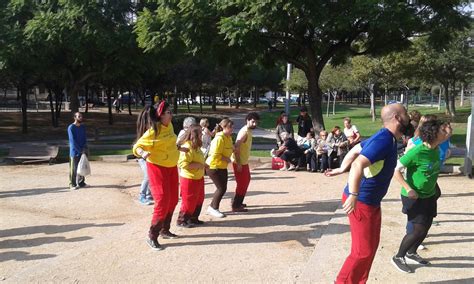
287 101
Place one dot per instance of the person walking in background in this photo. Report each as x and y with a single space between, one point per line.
143 124
218 160
243 145
419 196
283 126
76 132
187 122
351 132
158 147
372 164
206 136
305 124
191 178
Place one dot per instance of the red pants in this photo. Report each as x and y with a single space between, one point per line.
242 179
164 189
192 194
365 224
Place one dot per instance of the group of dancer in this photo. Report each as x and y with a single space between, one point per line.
371 165
162 152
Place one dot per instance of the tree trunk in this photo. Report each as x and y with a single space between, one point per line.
315 100
372 103
72 92
24 108
214 108
175 100
334 103
108 92
446 98
462 95
86 95
452 100
54 121
129 102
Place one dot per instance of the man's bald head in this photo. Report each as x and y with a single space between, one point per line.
389 111
395 118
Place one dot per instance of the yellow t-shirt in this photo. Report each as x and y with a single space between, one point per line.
162 148
244 146
221 146
193 155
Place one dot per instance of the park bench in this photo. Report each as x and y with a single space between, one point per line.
33 153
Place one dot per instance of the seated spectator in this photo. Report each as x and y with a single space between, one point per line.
339 146
307 145
284 125
321 155
351 132
288 152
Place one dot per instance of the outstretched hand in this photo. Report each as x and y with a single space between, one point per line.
333 172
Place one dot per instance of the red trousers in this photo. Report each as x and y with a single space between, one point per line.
164 189
365 222
242 179
192 194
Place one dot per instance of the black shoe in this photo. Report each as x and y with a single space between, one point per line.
168 235
185 225
83 184
416 259
400 264
154 244
196 222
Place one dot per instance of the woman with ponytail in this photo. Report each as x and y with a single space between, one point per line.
218 160
158 147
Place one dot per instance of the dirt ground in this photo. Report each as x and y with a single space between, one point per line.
97 234
49 233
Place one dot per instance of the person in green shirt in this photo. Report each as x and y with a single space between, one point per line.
422 166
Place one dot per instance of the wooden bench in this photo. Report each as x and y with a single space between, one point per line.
33 153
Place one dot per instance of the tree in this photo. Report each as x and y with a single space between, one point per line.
307 34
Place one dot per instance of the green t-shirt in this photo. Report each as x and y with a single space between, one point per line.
423 167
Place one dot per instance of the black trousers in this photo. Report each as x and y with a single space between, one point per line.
219 178
74 178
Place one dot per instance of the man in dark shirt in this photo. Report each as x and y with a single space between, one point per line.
77 146
305 124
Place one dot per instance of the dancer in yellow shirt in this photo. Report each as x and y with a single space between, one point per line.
191 178
240 160
218 160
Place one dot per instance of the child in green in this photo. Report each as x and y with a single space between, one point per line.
418 193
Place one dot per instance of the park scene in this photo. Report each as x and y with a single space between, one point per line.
150 141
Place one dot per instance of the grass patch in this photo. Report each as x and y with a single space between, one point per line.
361 118
456 161
260 153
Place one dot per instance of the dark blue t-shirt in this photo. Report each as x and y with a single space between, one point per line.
77 139
381 150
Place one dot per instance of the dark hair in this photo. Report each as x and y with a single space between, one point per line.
143 121
252 115
429 130
334 129
192 134
155 119
415 115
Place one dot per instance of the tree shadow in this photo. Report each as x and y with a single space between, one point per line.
456 281
22 256
32 191
52 229
15 243
448 241
230 194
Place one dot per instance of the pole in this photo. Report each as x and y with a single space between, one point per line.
287 102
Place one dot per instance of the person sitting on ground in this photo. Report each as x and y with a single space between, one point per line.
351 132
283 126
339 146
307 145
288 152
322 148
187 122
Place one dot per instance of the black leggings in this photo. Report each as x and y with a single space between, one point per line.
412 240
219 178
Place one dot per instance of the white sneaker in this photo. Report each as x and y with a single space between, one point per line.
215 212
421 247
